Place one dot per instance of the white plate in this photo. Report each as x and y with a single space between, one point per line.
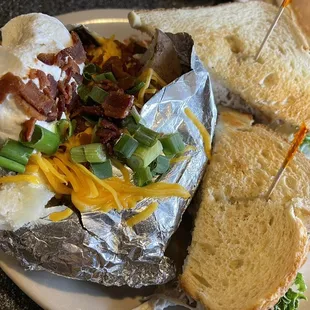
57 293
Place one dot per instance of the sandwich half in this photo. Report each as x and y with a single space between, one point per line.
246 251
227 38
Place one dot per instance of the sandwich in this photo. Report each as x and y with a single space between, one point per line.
246 251
227 37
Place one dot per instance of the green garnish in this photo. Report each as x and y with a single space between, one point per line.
125 146
143 156
160 165
98 94
130 124
135 89
43 141
172 144
146 136
83 91
142 176
110 76
11 165
78 155
16 152
94 153
102 170
290 301
65 129
99 77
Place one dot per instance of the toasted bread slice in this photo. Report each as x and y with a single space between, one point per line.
227 37
246 251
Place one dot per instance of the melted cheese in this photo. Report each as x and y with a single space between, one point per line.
203 131
142 216
59 216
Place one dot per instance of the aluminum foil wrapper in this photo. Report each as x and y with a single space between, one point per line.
100 247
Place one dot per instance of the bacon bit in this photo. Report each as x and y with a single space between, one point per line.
9 84
91 110
76 52
108 85
28 109
299 138
52 88
80 125
37 99
48 59
72 65
127 82
28 129
61 106
117 104
78 78
107 131
41 76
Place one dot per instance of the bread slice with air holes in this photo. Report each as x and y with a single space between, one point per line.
228 36
245 251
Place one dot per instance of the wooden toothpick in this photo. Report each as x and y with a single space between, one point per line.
284 4
299 138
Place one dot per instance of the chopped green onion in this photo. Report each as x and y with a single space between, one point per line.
87 76
142 176
94 137
99 77
160 165
102 170
78 155
65 129
110 76
135 89
125 146
146 136
135 114
11 165
83 91
130 124
94 153
172 144
90 68
16 151
97 94
143 156
43 140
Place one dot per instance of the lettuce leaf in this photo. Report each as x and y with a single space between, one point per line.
290 301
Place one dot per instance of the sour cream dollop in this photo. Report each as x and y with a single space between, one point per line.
23 39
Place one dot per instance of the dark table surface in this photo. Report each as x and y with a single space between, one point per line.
11 297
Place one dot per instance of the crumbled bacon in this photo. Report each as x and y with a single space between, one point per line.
51 89
76 52
80 124
108 85
48 59
41 76
127 82
90 110
28 109
32 95
9 84
117 104
107 132
52 115
28 129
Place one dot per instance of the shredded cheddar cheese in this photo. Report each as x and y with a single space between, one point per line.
203 131
142 216
20 178
59 216
107 49
87 191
